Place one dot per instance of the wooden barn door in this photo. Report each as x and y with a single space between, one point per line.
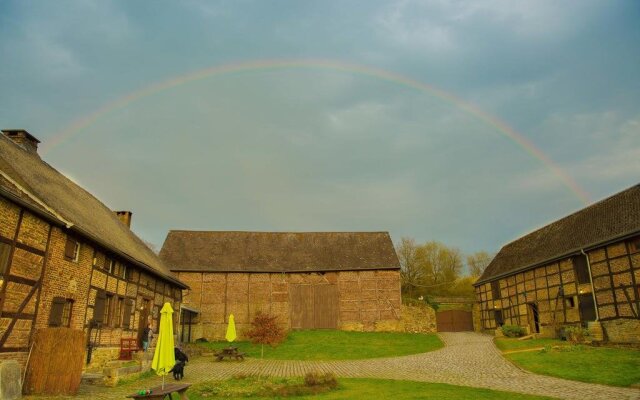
313 306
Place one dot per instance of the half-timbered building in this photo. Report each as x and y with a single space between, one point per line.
66 260
331 280
582 269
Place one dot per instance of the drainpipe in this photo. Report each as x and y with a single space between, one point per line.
593 289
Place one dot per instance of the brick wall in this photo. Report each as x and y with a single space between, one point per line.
38 251
615 271
368 300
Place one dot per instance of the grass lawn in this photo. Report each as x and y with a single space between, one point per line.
340 345
609 366
371 389
509 344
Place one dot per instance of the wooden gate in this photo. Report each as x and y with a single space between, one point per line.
313 306
454 321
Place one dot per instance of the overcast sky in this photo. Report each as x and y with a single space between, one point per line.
318 148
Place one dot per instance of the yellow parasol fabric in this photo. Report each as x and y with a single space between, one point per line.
231 329
164 357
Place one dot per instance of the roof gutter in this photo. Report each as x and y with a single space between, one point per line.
593 289
573 252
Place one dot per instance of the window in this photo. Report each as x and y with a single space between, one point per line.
5 250
60 312
126 314
120 270
108 310
72 249
495 289
109 264
635 244
570 302
119 312
581 268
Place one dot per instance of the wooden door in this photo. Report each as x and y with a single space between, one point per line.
301 305
313 306
587 307
325 310
534 322
144 318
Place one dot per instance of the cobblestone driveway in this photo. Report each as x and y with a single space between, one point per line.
468 359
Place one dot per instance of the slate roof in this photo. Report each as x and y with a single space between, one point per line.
30 181
223 251
615 217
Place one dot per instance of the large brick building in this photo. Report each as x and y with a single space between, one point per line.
309 280
580 269
68 260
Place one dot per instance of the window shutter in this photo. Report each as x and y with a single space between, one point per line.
126 318
57 306
98 308
70 248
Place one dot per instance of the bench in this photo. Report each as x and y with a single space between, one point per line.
230 352
127 348
158 393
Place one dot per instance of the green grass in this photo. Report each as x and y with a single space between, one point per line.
609 366
339 345
376 389
136 377
508 344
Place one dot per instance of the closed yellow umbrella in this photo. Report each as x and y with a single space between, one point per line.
231 329
164 357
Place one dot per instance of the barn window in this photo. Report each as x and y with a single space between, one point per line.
60 312
582 271
495 289
72 249
5 250
635 244
119 270
570 301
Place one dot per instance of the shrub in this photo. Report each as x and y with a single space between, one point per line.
576 334
326 379
266 330
513 330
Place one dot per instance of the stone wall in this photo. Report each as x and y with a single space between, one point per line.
622 330
419 319
368 300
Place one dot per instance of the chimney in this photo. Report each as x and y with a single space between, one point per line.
23 139
124 217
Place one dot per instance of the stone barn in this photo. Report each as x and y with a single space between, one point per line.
583 269
332 280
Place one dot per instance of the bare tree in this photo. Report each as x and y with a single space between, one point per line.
478 262
411 272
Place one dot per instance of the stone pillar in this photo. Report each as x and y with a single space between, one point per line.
10 380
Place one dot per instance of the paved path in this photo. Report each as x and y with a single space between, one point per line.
468 359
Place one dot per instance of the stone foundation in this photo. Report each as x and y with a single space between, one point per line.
622 330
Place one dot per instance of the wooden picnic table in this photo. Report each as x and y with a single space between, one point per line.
229 352
159 393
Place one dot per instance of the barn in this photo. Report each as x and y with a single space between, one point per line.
310 280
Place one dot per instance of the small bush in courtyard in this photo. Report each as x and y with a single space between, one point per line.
266 330
576 334
513 330
326 379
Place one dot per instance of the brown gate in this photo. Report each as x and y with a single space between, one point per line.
454 321
313 306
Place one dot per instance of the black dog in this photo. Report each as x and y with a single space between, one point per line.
178 370
181 360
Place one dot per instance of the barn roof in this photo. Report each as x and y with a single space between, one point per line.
224 251
613 218
26 179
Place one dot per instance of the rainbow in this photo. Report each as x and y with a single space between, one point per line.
78 125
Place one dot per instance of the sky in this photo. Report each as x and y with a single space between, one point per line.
399 116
